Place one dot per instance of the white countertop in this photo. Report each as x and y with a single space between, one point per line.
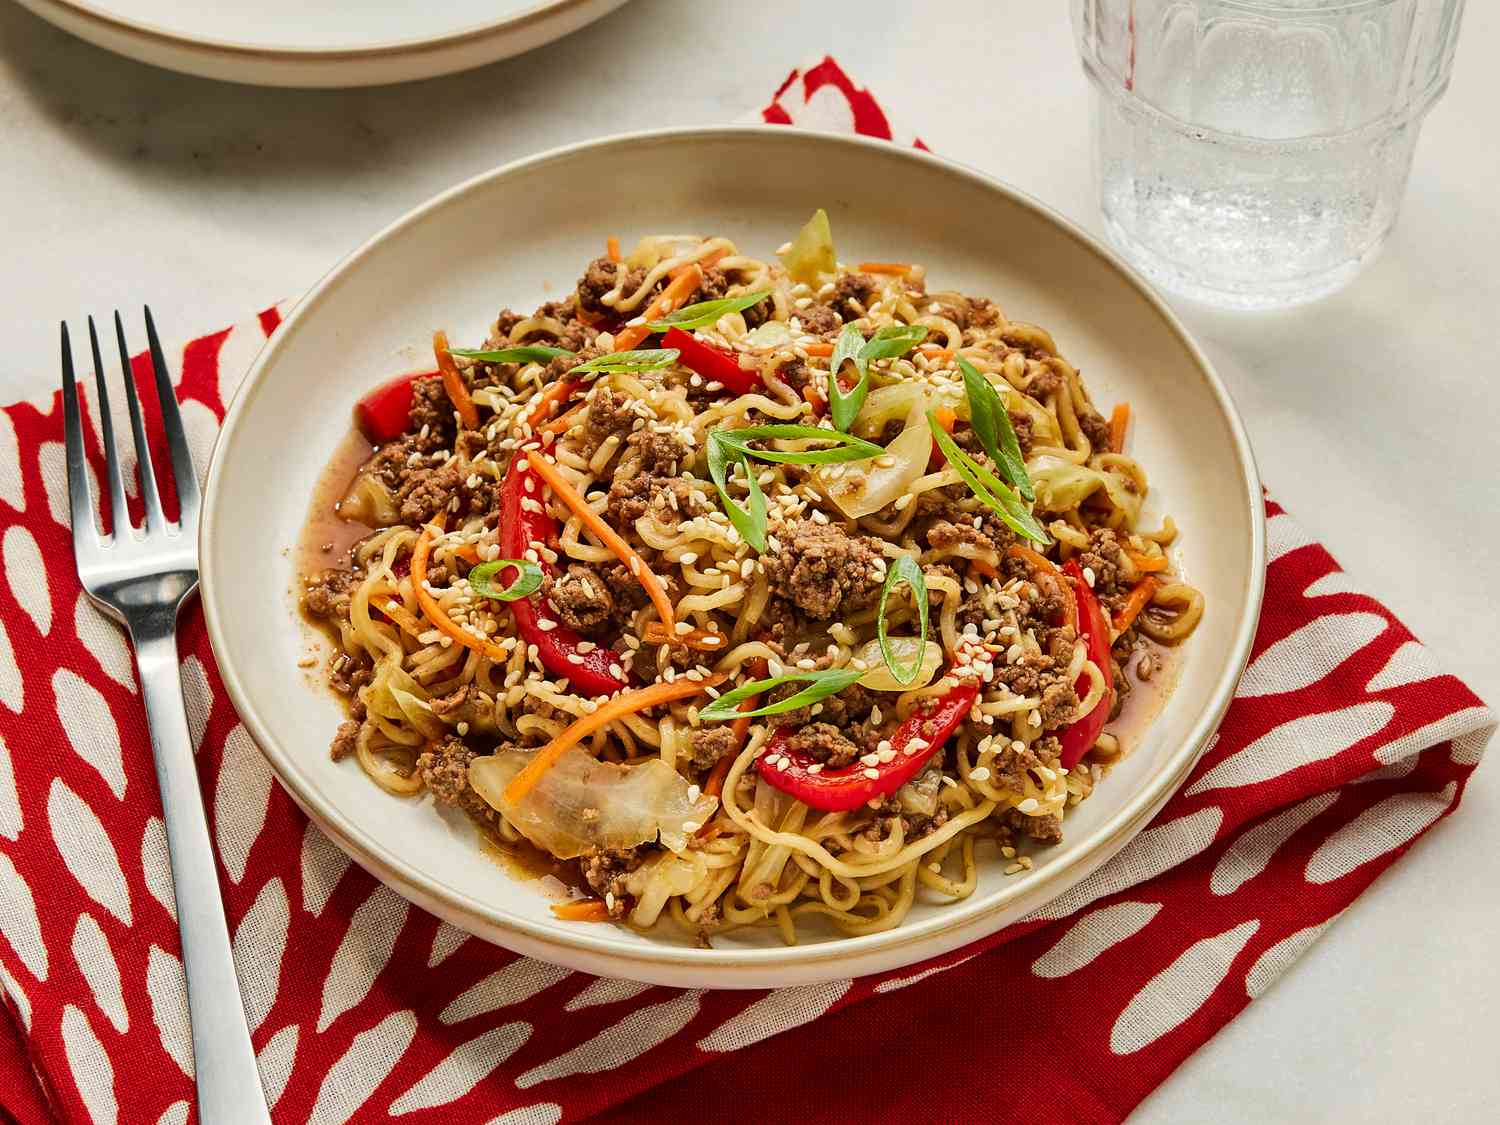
1373 413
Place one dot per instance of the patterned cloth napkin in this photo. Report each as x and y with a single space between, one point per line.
1345 743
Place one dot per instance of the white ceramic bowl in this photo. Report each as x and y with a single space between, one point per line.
521 235
320 42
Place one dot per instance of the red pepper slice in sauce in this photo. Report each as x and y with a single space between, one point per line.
588 673
713 363
1093 631
385 413
851 786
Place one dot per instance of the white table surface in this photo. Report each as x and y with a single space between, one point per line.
1373 413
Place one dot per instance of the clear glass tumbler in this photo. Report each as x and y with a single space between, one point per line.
1253 153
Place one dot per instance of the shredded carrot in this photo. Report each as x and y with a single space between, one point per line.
582 910
555 393
612 248
615 707
946 418
900 269
704 640
822 348
984 567
563 422
607 535
1139 598
814 398
682 286
434 612
1148 564
935 351
819 348
1118 422
713 784
468 552
1044 567
398 613
453 382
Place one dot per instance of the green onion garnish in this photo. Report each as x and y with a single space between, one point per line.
528 580
990 489
820 685
845 446
526 353
991 421
903 568
888 343
705 313
751 524
646 359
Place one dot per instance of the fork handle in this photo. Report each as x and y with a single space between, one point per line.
229 1089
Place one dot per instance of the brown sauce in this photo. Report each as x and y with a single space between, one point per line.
327 536
559 879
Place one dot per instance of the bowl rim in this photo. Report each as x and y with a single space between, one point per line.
120 23
379 858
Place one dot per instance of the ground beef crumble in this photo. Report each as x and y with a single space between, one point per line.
344 740
824 743
823 569
581 596
604 869
444 770
709 744
852 294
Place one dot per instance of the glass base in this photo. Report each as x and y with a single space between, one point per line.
1170 276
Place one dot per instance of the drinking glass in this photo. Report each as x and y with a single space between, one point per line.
1253 153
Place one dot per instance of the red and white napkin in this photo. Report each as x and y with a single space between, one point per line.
1345 743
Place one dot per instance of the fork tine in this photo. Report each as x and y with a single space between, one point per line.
156 520
171 417
119 513
80 499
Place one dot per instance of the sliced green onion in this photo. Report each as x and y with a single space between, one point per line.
750 524
842 406
990 489
527 353
903 568
892 341
991 421
528 579
889 342
820 685
845 446
646 359
705 313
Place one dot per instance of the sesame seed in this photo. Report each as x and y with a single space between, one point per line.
683 627
979 773
873 775
693 793
870 759
1088 575
1029 805
816 767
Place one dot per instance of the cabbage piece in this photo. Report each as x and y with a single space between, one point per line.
861 491
1061 486
581 803
809 256
919 796
881 678
886 404
771 334
1044 429
369 502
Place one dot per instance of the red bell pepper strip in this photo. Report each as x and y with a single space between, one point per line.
1093 631
595 672
717 365
385 413
851 786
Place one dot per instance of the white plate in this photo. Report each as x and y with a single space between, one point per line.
521 235
320 42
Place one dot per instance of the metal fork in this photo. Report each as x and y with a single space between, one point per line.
141 580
